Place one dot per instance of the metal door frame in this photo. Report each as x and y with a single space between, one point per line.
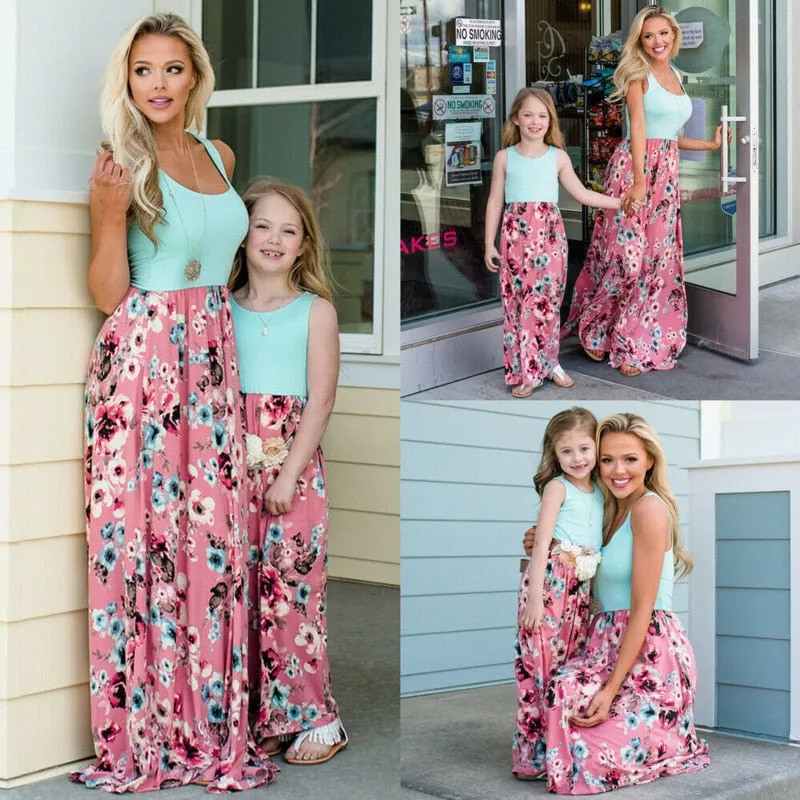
728 323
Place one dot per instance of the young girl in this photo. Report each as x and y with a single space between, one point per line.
621 712
288 343
533 246
629 299
554 593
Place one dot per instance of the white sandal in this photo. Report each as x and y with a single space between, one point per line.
333 735
561 379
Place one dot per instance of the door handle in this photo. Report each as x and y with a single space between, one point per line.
725 121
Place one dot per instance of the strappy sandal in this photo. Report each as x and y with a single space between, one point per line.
629 371
595 355
561 379
333 735
523 390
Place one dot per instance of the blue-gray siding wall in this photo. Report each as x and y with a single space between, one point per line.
466 500
752 614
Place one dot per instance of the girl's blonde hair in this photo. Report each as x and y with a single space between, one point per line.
634 64
571 419
130 134
311 271
655 480
511 135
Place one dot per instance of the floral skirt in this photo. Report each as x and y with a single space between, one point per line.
539 655
533 276
288 564
650 729
630 299
166 534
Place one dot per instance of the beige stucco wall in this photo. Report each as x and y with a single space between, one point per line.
47 326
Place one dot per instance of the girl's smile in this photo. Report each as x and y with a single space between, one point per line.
275 239
576 454
533 119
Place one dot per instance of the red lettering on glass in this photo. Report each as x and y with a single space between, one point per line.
433 241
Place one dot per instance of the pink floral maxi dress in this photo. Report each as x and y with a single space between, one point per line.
290 677
650 729
165 524
533 271
630 299
562 633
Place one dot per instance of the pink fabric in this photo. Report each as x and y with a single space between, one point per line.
166 536
539 655
650 730
630 299
533 277
290 678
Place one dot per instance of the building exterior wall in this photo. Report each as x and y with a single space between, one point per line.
743 593
47 327
752 612
466 500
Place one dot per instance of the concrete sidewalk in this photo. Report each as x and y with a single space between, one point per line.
457 745
698 375
363 625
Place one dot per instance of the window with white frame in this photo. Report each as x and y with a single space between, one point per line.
297 99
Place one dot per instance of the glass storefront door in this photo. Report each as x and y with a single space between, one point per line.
719 64
451 101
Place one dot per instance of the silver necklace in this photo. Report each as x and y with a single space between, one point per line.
264 322
193 266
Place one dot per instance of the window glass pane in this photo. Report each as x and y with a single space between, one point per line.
344 41
229 39
446 158
766 99
284 42
328 149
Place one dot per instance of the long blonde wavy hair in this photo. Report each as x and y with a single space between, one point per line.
655 480
511 135
571 419
635 64
131 137
311 271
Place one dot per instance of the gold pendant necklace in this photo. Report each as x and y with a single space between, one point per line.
193 266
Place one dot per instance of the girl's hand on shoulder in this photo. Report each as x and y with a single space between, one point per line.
598 709
534 614
280 496
492 258
109 185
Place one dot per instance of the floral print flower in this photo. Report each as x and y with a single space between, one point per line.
533 277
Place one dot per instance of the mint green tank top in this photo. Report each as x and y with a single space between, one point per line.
531 180
664 113
186 231
612 583
580 518
275 363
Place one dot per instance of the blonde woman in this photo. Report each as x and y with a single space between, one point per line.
629 300
533 245
164 444
621 713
